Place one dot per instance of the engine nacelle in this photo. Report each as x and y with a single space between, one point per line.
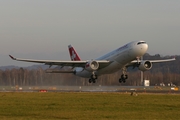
92 65
145 65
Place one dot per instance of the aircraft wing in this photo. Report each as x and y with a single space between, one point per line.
158 61
134 62
155 61
102 63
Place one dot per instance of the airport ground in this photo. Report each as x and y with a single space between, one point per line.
89 102
88 105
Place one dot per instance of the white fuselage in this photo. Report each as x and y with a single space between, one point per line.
119 58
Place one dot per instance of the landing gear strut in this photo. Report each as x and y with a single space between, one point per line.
124 76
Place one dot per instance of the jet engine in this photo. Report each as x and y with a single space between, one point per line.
92 65
145 65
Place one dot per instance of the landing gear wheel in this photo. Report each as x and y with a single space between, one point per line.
90 80
120 80
93 78
123 78
126 76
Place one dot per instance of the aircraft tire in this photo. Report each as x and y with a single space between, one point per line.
126 76
120 80
124 80
90 80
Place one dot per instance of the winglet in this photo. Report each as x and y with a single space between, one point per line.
12 57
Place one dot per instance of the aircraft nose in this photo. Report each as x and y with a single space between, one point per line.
141 49
144 47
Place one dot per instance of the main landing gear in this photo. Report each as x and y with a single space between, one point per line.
124 76
93 78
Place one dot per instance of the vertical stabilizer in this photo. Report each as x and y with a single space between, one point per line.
73 54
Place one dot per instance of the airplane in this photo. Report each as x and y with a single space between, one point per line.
119 59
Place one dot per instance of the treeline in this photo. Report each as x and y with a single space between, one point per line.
168 72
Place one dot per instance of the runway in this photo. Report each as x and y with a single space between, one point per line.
120 89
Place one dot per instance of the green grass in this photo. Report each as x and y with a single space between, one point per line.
52 106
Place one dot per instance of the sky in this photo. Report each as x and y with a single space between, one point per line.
42 29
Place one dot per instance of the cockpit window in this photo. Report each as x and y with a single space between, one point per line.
141 43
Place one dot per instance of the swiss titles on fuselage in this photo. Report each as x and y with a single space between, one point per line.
107 56
122 48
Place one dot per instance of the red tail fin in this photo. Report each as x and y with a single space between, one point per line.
73 54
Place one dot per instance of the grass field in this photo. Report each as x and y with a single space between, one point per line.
89 106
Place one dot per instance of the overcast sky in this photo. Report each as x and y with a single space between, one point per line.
42 29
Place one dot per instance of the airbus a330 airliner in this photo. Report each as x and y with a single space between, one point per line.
121 58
